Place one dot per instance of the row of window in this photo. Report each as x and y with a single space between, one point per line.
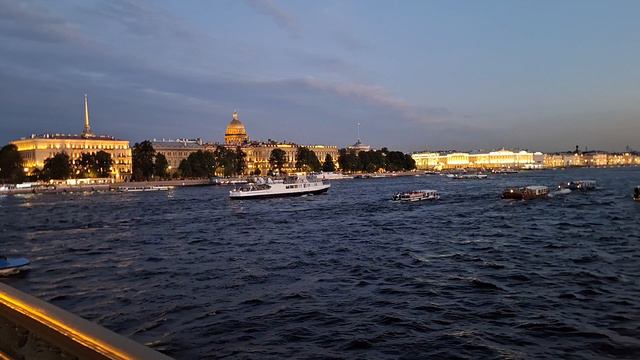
85 146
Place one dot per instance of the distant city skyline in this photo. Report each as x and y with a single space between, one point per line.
418 75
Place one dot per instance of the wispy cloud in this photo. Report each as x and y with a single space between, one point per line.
142 18
285 20
29 21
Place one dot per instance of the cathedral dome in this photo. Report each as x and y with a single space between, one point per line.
236 133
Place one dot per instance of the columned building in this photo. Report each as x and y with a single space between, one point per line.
492 160
37 148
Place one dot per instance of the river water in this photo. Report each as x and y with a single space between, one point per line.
348 274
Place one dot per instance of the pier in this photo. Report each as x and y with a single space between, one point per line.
34 329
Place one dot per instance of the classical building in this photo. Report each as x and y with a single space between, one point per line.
258 153
591 159
494 159
37 148
177 150
236 134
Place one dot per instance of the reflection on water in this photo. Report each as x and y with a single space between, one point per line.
347 274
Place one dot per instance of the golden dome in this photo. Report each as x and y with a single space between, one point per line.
236 133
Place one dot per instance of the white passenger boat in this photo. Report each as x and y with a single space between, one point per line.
143 188
416 195
268 188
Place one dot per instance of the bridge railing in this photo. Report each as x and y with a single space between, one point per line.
34 329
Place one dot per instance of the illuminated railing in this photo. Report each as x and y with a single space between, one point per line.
60 329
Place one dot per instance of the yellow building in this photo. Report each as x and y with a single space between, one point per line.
37 148
495 159
258 155
236 134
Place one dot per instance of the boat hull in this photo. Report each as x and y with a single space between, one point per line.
11 266
243 196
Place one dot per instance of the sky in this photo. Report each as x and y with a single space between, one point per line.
417 75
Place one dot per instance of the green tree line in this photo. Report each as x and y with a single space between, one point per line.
374 160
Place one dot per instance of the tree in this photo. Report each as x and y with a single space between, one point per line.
348 160
160 166
239 161
143 156
11 169
102 164
328 165
185 168
231 162
199 164
57 167
307 160
277 159
409 162
85 165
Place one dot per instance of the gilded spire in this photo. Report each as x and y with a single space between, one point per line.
87 126
235 115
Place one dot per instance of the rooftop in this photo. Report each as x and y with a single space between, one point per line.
70 137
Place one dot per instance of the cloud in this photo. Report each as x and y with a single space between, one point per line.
142 18
282 18
137 97
28 21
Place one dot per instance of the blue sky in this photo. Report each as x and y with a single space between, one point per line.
542 75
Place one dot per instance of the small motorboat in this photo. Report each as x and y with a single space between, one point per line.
416 195
526 193
467 176
144 188
504 171
11 266
582 185
560 191
636 193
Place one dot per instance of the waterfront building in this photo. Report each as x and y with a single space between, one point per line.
236 134
492 160
258 155
37 148
177 150
591 159
359 146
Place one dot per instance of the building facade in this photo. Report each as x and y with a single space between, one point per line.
492 160
37 148
258 155
177 150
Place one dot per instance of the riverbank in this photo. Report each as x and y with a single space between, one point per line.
57 189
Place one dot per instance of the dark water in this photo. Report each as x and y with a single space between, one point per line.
348 274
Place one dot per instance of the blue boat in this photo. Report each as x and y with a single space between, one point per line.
9 266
